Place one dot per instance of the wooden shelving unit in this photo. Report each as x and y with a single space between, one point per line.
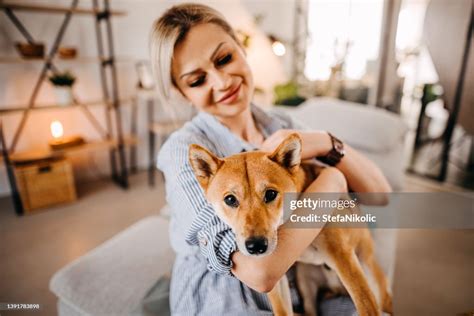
46 152
82 60
55 9
112 136
21 108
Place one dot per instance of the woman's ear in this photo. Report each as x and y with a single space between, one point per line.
288 153
204 164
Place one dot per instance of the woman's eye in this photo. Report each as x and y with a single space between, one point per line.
224 60
270 195
231 200
199 81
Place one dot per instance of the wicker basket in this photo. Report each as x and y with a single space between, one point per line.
45 183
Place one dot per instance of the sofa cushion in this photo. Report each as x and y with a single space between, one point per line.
361 126
113 278
392 165
156 302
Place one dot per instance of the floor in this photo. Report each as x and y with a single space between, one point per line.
434 272
34 247
433 268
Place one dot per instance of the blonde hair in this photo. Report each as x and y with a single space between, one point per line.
170 30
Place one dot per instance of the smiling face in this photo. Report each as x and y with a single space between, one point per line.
246 191
209 68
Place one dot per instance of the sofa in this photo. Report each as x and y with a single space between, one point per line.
115 278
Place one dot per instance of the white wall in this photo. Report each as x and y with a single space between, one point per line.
131 40
278 19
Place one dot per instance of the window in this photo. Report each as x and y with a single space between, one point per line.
342 30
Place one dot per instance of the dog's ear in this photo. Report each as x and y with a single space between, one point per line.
204 164
288 153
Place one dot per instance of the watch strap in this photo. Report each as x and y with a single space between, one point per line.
334 156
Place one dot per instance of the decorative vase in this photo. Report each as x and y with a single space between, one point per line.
63 95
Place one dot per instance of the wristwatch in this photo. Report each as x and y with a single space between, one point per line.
334 156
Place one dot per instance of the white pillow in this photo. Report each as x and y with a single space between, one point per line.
361 126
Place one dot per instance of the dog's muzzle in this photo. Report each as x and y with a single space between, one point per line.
256 245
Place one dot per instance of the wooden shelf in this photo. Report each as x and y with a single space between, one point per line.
84 60
101 13
22 108
46 152
53 9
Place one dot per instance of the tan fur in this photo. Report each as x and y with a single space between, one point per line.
247 176
280 298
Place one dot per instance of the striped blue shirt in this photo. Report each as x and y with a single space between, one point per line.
201 281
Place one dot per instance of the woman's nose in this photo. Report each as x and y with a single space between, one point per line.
221 80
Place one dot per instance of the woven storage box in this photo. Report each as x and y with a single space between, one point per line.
45 183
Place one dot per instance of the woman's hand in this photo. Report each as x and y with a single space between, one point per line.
314 143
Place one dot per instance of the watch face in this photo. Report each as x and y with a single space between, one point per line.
339 147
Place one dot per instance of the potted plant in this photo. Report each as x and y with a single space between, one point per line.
287 94
62 83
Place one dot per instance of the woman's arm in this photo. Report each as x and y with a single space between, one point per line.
262 273
362 174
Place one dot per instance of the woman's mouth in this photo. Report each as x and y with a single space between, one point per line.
231 96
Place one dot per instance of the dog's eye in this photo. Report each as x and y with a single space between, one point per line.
231 200
270 195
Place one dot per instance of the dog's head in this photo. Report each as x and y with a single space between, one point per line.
246 190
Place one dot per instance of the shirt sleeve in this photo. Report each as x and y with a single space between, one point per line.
196 218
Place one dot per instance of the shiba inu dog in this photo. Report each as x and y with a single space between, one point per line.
246 191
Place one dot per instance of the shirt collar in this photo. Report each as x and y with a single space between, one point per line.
228 143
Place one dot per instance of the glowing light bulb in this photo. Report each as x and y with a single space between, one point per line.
57 129
278 48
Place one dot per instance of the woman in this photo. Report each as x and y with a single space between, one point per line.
196 57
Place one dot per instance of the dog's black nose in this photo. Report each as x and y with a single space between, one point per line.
256 245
